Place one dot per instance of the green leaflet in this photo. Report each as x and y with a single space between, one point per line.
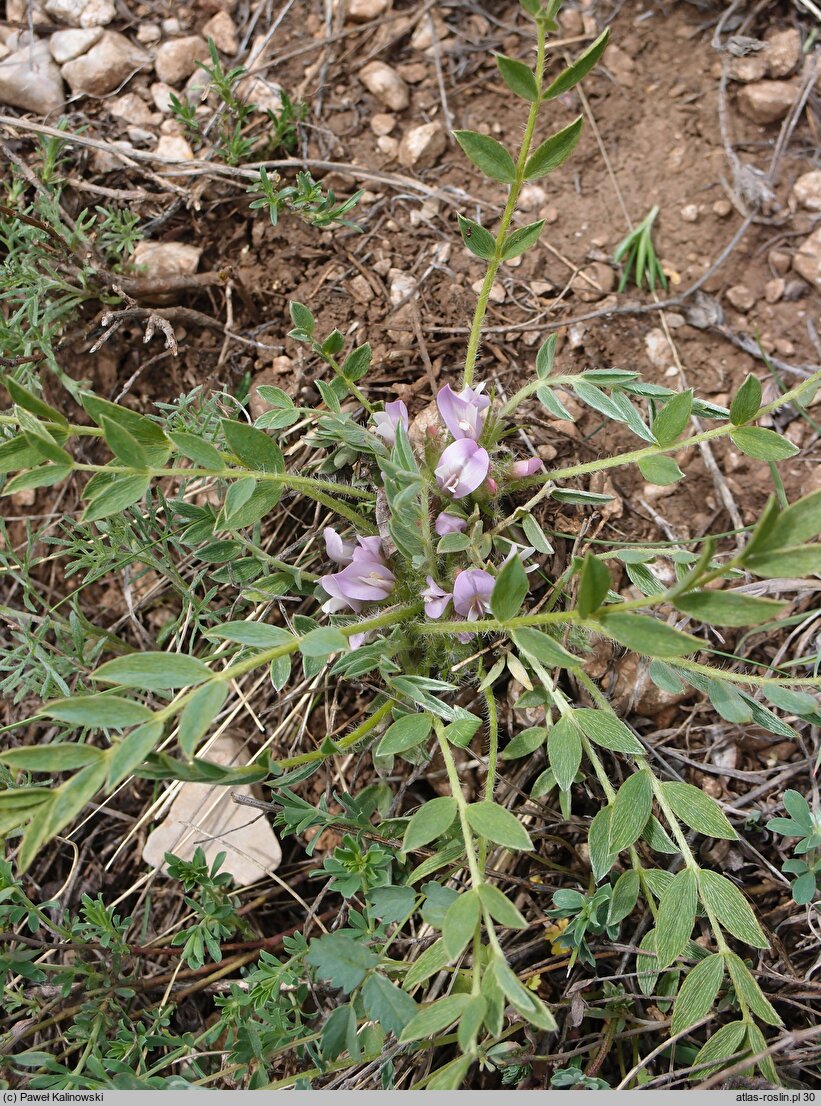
698 992
676 917
731 908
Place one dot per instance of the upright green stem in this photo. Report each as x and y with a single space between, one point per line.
476 875
510 207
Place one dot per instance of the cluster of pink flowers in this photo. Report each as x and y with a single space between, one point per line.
471 593
364 577
462 469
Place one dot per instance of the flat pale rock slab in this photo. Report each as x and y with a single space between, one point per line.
159 259
206 816
30 79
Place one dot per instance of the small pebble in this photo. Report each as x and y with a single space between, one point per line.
148 34
722 208
779 261
774 289
690 213
382 123
740 297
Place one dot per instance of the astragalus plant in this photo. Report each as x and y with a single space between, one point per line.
433 599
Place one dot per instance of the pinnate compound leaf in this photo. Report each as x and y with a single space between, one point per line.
564 751
434 1018
728 608
154 671
698 993
607 730
763 445
722 1047
648 636
676 917
571 76
747 987
518 77
554 150
341 960
495 823
478 240
488 155
509 590
386 1004
697 810
631 810
731 908
429 822
103 711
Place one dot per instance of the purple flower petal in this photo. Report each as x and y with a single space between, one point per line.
337 549
520 469
462 468
463 412
436 600
339 600
386 422
447 523
366 579
471 593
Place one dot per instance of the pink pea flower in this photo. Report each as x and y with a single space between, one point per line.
471 593
463 412
337 549
462 468
447 523
386 422
436 600
520 469
367 579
